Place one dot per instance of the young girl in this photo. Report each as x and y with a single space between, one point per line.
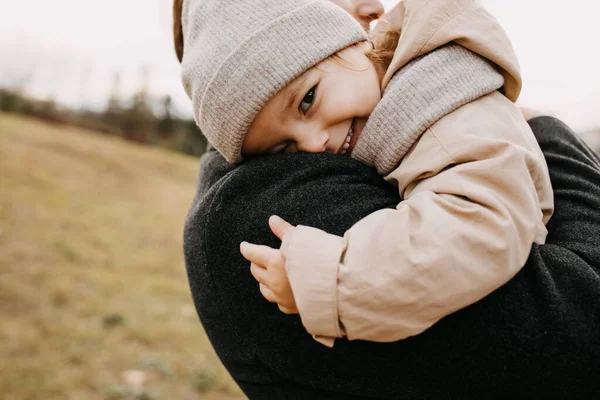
292 75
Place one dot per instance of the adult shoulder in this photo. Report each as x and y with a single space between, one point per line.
535 336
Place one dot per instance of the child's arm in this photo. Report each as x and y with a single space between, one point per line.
471 214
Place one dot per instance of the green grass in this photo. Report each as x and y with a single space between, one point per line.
92 279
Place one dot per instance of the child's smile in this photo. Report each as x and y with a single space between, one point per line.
323 110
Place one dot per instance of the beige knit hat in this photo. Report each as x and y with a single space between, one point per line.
240 53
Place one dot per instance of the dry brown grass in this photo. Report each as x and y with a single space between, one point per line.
92 281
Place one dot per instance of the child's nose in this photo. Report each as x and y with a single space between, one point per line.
316 143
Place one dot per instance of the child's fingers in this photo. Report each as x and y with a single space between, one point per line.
259 273
258 254
280 227
267 293
287 310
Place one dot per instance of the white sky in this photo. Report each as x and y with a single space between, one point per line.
69 50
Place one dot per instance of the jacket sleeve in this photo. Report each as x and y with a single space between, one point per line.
472 210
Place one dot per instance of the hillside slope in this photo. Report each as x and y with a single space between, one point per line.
93 293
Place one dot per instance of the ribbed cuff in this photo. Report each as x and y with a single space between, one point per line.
421 93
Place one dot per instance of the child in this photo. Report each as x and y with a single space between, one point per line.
293 75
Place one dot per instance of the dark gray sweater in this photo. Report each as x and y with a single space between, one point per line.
536 337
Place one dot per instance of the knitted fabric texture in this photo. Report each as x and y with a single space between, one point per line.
239 54
419 94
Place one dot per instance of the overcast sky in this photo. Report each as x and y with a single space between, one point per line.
70 49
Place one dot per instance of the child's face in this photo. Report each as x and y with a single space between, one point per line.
323 110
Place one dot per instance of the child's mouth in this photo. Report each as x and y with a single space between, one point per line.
348 138
351 139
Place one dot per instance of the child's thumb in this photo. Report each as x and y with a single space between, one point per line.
279 226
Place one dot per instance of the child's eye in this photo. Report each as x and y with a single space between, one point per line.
307 100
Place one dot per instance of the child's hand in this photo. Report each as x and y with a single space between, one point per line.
267 265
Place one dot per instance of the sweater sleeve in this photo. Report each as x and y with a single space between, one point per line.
475 201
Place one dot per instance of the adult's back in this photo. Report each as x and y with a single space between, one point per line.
536 336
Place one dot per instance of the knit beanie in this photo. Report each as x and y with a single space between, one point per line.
240 53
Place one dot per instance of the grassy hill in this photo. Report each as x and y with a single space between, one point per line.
93 293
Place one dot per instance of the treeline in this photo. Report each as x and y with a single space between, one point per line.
139 119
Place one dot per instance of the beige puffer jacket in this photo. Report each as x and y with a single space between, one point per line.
477 195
